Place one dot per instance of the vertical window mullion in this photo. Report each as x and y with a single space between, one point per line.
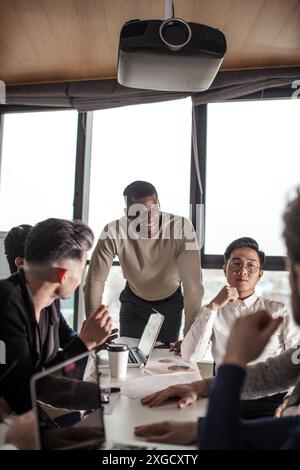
81 192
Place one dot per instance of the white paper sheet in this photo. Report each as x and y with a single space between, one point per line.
143 386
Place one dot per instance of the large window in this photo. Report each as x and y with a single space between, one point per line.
252 164
38 167
37 173
149 142
253 153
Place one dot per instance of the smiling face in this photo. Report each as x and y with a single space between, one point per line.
147 211
243 270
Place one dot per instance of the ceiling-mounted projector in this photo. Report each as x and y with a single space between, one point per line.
169 55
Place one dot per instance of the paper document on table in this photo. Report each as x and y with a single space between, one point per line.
143 386
170 365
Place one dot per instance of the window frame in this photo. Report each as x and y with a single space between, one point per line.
81 182
216 261
198 139
80 191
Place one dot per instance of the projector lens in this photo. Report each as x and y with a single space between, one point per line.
175 33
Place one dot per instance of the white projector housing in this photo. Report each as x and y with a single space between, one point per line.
170 55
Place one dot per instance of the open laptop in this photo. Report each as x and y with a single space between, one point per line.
69 413
140 354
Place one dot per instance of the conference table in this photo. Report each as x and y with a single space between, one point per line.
126 410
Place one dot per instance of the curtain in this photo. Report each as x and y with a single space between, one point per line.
103 94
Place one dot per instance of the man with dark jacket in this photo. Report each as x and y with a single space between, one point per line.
32 328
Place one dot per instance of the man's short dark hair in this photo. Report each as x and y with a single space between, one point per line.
291 231
244 242
138 190
14 245
58 239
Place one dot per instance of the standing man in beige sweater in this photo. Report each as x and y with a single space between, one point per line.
158 252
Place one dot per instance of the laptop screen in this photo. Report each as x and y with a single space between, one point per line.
150 333
68 409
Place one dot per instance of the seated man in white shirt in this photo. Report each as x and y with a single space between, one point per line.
243 263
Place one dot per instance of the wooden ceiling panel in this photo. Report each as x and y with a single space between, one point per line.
213 12
271 20
241 20
289 36
27 33
64 40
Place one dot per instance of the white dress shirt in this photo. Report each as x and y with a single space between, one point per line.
214 326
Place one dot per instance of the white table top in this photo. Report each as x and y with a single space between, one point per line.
128 412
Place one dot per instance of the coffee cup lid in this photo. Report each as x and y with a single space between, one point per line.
117 347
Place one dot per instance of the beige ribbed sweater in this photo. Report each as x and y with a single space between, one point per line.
153 267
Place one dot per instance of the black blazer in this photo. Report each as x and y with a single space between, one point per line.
24 344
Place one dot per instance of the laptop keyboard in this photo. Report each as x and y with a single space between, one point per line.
133 358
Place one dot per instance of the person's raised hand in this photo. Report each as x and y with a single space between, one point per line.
249 337
226 295
97 328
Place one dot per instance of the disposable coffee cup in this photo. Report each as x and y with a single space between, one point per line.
118 360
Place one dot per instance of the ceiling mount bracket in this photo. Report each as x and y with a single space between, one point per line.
169 9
